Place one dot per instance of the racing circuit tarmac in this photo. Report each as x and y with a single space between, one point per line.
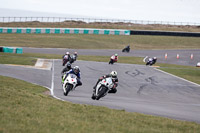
184 55
141 89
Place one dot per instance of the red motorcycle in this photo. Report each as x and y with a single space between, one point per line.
113 59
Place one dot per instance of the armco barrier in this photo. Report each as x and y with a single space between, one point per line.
165 33
64 31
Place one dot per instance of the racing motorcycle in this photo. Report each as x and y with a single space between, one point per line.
102 88
73 58
127 49
149 61
112 60
69 83
65 60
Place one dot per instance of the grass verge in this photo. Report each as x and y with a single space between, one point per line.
81 41
24 108
18 60
189 74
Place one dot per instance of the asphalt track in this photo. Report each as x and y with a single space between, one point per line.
141 89
184 55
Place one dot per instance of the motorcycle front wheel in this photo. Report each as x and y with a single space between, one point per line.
68 87
101 92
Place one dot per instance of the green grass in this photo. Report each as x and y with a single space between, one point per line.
82 41
18 60
32 55
25 108
189 74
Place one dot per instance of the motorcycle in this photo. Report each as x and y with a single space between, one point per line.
73 58
102 88
127 49
149 61
69 83
65 61
112 60
66 58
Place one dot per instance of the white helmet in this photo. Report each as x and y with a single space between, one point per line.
113 74
154 58
67 53
116 54
76 69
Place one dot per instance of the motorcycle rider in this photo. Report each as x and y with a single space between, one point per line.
151 61
75 70
74 57
67 68
126 49
113 58
154 59
113 75
66 58
76 54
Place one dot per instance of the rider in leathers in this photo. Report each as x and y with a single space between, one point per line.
75 70
66 58
74 57
113 75
151 61
67 68
113 59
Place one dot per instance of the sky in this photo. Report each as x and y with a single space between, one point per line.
153 10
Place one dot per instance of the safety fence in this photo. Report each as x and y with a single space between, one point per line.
64 31
90 20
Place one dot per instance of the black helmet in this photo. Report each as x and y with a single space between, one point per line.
68 65
76 69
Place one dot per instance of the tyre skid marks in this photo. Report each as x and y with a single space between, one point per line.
150 80
94 69
134 74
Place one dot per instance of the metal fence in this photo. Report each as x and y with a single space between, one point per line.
90 20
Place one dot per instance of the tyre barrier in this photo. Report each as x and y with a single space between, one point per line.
64 31
11 50
1 49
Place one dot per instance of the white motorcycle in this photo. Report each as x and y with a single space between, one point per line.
102 88
69 83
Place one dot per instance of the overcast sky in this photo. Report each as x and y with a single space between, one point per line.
158 10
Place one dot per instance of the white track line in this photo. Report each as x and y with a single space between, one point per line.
52 83
52 79
178 77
